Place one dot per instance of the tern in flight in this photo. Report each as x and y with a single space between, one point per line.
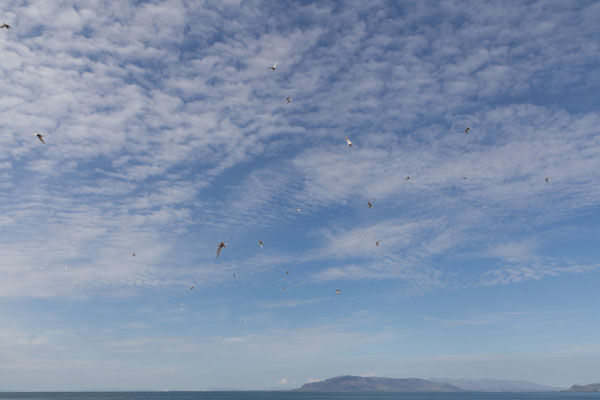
377 242
221 246
287 272
338 292
260 243
273 67
235 275
547 180
5 26
192 287
41 137
298 209
407 178
369 203
288 100
348 142
467 129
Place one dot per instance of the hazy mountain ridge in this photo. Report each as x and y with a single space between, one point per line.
376 384
498 385
592 387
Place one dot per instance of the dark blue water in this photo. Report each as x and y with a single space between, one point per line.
293 396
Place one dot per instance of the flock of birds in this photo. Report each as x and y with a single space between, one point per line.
222 245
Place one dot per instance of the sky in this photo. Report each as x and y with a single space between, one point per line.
166 133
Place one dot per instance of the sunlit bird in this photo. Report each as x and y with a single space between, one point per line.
467 129
260 243
5 26
298 209
377 242
274 67
41 137
288 100
338 292
221 246
348 142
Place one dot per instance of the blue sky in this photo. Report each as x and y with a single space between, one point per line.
166 134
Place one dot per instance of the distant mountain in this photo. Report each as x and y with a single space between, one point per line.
498 385
350 383
592 387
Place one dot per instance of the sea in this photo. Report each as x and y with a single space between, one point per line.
275 395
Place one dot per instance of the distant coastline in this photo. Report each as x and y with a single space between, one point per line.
591 388
350 383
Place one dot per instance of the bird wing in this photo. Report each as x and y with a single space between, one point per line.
219 251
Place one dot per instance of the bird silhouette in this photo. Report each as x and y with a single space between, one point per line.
221 246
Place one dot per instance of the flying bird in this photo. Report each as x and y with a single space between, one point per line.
407 178
243 322
464 177
369 203
547 180
133 255
192 287
298 209
235 275
66 268
287 272
348 142
288 100
338 292
273 67
283 289
6 26
467 129
41 137
260 243
221 246
377 242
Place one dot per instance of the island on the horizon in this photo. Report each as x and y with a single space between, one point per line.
350 383
591 388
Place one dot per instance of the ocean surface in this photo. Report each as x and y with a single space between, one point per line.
291 396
